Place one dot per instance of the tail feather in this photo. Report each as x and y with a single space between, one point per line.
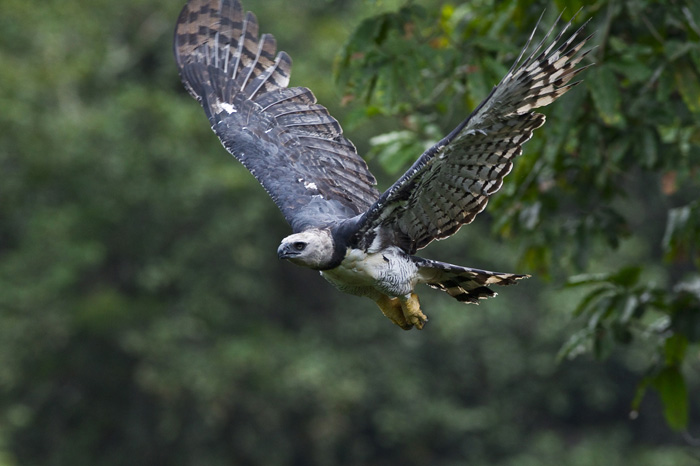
465 284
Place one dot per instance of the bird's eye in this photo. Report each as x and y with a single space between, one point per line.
299 246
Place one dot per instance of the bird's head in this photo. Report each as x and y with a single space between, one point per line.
311 248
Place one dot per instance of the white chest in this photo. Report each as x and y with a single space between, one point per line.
390 272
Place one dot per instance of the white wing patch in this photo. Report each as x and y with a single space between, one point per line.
223 106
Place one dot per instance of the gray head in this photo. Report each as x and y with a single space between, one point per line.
311 248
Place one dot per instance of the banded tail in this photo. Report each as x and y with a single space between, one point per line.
465 284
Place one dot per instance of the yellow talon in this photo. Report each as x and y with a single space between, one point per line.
393 309
403 311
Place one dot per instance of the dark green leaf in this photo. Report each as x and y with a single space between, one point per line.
588 303
677 221
629 309
648 147
688 84
674 348
627 276
587 279
676 49
670 385
603 86
577 344
639 394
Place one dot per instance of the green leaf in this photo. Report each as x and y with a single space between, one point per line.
639 395
674 395
682 236
587 279
577 344
602 84
603 343
674 349
648 147
588 300
605 306
676 49
688 84
629 309
626 276
677 220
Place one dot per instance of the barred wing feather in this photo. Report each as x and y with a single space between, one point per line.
452 181
288 142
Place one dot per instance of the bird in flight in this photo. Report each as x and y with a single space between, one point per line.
363 241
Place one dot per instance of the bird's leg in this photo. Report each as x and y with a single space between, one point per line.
392 308
411 310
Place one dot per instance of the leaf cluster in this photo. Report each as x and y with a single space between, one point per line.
616 164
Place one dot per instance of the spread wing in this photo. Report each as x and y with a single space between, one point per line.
452 181
287 141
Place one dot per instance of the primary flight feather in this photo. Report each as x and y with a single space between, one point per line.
363 241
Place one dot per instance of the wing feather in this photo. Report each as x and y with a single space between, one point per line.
280 98
292 145
456 176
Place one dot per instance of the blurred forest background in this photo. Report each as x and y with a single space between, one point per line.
145 318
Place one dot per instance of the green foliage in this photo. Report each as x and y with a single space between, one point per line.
614 160
145 319
682 236
616 311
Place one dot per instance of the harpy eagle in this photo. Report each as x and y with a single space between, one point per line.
361 240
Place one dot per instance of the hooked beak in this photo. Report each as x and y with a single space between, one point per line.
285 251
